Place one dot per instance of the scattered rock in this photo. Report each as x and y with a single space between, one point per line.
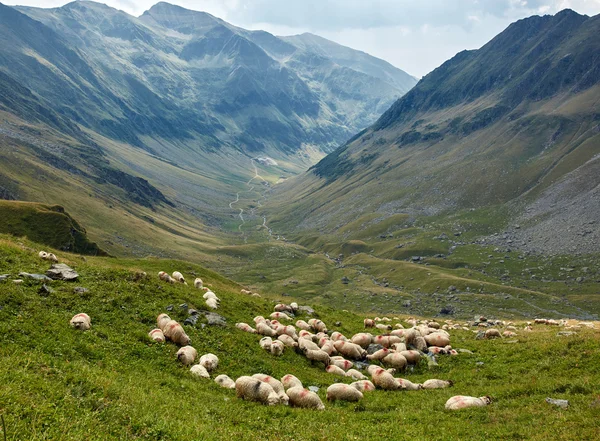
193 312
314 389
169 308
191 320
60 271
361 365
183 306
80 290
345 280
35 276
565 333
338 324
4 276
560 403
372 348
214 319
480 335
452 288
45 290
306 309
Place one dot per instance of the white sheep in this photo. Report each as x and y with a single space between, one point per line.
277 348
275 384
199 371
287 341
43 255
317 325
266 343
317 355
162 320
363 386
369 323
187 355
342 363
212 303
338 336
289 381
178 277
280 316
225 381
253 389
356 375
303 325
305 343
386 340
281 307
328 347
462 402
210 295
437 384
157 335
437 339
362 339
344 392
198 284
408 385
209 361
174 332
383 379
288 330
412 356
420 344
383 327
263 328
300 397
492 333
335 370
395 360
349 350
52 258
245 327
379 355
81 321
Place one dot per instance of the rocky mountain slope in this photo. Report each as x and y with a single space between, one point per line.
513 124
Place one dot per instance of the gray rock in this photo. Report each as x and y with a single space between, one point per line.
361 365
4 276
80 290
169 308
306 309
193 312
60 271
565 333
191 320
41 277
480 335
183 306
314 389
214 319
560 403
45 290
372 348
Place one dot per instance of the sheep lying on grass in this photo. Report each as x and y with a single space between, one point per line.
437 384
81 321
48 256
245 327
462 402
162 320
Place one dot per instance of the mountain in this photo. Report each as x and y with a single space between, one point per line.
160 116
508 125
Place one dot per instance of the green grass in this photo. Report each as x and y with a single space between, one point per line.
113 383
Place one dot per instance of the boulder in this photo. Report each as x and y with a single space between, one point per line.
60 271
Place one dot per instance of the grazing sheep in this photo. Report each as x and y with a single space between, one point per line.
408 385
317 355
210 295
280 307
245 327
395 360
225 381
245 291
412 357
52 258
212 303
350 350
157 335
462 402
317 325
275 384
280 316
379 355
43 255
306 334
434 325
305 343
163 276
437 350
335 370
162 320
344 392
209 361
356 375
81 321
437 339
386 340
363 386
289 381
198 284
437 384
383 327
287 341
420 344
174 332
342 363
384 380
300 397
178 277
263 329
492 333
199 371
362 339
266 343
338 336
252 389
329 347
303 325
277 348
187 355
288 330
509 334
399 347
369 323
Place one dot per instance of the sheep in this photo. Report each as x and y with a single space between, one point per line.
395 360
162 320
280 316
210 295
329 347
289 381
338 336
52 258
335 370
252 389
317 325
264 329
434 325
420 344
362 339
275 384
386 340
349 350
43 255
344 392
437 384
245 291
384 380
287 341
277 348
437 339
266 343
399 326
245 327
280 307
199 371
212 303
163 276
399 347
437 350
260 319
157 335
356 375
81 321
372 368
369 323
492 333
225 381
209 361
317 356
383 327
178 277
288 330
174 332
379 355
509 334
412 357
341 363
408 385
363 386
462 402
305 343
306 334
198 284
303 325
300 397
187 355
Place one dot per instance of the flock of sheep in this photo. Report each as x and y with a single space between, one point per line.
379 356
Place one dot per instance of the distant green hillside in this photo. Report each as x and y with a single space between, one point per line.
47 224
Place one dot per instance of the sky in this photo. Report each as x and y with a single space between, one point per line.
416 36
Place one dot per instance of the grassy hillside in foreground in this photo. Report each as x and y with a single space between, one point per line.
113 383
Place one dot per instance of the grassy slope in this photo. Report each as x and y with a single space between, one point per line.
112 383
